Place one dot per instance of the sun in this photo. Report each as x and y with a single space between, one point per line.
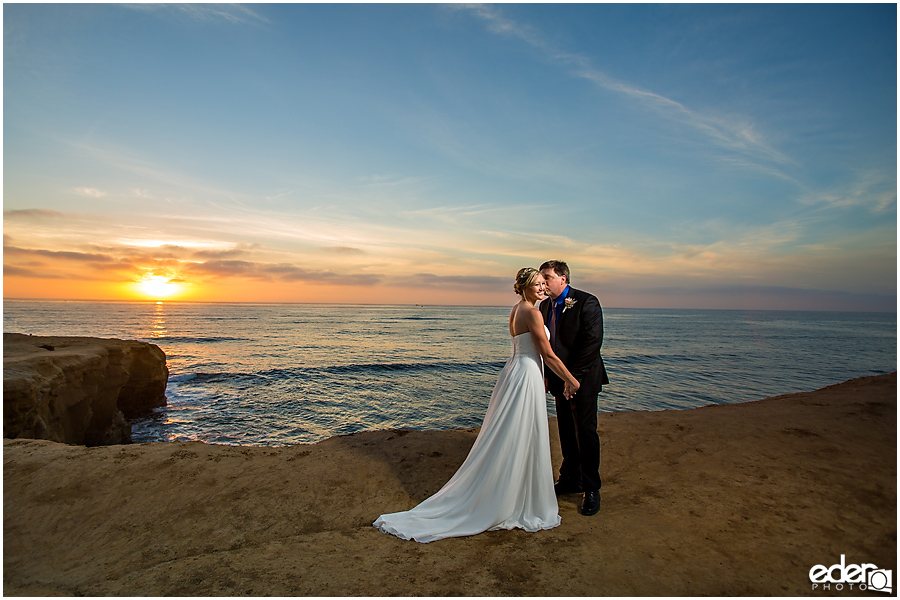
155 287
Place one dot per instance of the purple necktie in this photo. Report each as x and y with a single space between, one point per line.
553 320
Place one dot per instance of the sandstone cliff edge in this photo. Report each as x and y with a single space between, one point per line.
79 390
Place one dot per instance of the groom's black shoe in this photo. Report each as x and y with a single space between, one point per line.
566 487
591 503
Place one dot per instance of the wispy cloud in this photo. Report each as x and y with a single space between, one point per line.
57 254
388 181
344 250
284 272
38 263
429 280
873 190
127 160
238 250
13 271
737 135
231 13
474 213
90 192
33 214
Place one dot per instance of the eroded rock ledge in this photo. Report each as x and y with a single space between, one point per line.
79 390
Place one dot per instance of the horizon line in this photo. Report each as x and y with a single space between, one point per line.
416 304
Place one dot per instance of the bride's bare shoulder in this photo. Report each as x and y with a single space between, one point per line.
529 316
522 317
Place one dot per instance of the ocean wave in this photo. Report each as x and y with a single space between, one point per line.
350 369
197 339
182 377
641 359
418 318
411 367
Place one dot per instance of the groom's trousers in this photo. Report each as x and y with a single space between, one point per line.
579 441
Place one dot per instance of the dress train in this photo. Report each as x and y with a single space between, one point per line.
506 480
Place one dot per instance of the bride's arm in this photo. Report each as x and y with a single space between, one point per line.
536 326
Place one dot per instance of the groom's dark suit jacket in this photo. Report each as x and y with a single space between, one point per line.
579 336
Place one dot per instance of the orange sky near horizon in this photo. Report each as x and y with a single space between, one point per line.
250 292
53 255
242 291
401 292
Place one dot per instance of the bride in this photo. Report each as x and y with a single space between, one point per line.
506 480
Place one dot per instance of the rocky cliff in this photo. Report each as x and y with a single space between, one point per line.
79 390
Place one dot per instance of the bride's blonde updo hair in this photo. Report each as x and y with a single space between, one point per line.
524 278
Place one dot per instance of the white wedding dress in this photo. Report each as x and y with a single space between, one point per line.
507 479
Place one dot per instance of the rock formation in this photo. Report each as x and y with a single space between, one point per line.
79 390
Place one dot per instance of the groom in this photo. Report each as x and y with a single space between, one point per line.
575 320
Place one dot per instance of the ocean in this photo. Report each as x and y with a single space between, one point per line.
281 374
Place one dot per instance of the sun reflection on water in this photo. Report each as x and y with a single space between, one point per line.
158 322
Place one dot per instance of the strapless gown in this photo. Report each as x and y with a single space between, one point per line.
506 481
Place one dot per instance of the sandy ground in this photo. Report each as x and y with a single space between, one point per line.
725 500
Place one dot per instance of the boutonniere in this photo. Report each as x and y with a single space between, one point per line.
569 303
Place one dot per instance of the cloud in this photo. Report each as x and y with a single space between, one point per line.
475 283
874 190
748 297
182 251
344 250
139 253
13 271
134 162
223 268
388 181
238 250
736 135
285 272
33 214
231 13
70 264
90 192
58 254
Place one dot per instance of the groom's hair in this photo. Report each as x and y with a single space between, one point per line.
559 267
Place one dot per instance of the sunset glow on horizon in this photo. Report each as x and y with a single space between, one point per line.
676 156
155 287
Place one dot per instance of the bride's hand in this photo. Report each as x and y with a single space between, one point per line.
570 390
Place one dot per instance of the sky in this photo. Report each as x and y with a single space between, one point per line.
674 155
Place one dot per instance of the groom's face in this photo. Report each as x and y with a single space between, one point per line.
555 284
